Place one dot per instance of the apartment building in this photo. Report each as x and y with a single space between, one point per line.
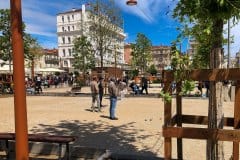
77 22
161 56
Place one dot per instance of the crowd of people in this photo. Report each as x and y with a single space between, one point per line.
34 85
117 88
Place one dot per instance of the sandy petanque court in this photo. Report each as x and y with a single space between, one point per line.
138 132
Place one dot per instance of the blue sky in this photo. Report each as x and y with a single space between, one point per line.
148 17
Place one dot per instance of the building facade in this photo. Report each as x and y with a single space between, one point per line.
77 22
161 57
49 59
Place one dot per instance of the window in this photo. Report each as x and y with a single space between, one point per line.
68 28
64 53
70 52
63 40
62 18
68 18
69 39
73 28
65 63
73 17
63 29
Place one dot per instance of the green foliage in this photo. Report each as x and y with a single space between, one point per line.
180 65
76 73
203 20
32 49
134 72
166 96
5 37
152 70
141 52
187 87
83 54
30 44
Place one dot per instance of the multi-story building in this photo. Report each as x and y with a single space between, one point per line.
49 59
161 57
77 22
127 53
193 44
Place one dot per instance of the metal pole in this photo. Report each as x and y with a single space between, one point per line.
21 128
228 63
115 60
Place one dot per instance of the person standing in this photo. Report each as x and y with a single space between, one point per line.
121 88
144 84
95 94
101 90
112 90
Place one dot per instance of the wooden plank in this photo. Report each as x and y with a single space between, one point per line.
207 75
203 120
167 148
167 122
236 119
179 119
202 133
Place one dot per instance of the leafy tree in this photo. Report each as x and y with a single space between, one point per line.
152 70
106 23
83 54
141 52
215 12
5 38
33 51
134 73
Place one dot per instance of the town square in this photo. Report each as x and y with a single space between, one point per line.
129 79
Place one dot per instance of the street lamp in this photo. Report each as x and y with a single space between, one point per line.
131 2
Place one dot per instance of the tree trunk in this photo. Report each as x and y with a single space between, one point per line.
215 115
32 69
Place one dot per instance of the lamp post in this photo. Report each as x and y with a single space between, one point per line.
115 62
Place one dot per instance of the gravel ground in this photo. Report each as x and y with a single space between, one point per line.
137 132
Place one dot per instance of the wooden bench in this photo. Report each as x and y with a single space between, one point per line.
61 140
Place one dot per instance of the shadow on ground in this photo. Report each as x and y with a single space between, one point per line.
94 138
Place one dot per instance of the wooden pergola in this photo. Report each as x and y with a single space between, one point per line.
173 124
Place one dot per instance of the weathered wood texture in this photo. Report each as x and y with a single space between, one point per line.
207 75
236 119
214 134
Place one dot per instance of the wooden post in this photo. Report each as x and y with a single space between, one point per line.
21 128
179 120
167 122
236 119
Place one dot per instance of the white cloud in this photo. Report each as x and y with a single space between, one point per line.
148 10
39 22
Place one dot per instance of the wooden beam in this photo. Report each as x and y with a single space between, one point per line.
179 119
167 122
207 75
202 133
203 120
236 119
